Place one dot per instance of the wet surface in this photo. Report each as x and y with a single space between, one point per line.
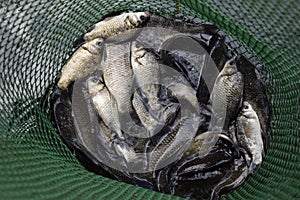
173 160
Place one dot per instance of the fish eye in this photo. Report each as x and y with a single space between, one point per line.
246 107
142 17
232 62
99 43
138 45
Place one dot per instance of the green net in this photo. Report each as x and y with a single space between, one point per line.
36 39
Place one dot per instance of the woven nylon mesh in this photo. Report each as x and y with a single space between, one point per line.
36 39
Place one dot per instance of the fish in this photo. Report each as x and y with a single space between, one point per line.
204 143
83 61
117 24
226 96
186 96
218 54
249 135
234 178
105 105
255 93
171 146
146 74
149 122
118 78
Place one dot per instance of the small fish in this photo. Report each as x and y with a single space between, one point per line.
249 135
114 25
105 105
118 77
226 96
172 145
255 93
84 61
146 74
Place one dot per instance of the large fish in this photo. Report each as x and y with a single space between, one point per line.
226 96
172 145
105 105
255 93
146 74
117 24
118 77
84 61
249 135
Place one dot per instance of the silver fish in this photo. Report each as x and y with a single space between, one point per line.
84 60
105 105
118 77
255 93
249 135
226 96
152 125
146 73
186 96
117 24
172 146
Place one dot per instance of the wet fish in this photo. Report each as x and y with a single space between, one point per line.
249 135
84 60
172 145
146 74
118 77
255 93
114 25
204 143
105 105
149 122
186 96
234 178
226 96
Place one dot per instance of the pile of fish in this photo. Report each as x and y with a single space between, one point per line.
157 102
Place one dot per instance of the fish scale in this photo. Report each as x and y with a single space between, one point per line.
173 144
105 105
118 77
226 96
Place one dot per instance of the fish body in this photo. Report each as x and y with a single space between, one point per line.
118 77
149 122
186 95
234 178
249 135
172 146
146 74
114 25
84 61
255 93
204 143
226 96
105 105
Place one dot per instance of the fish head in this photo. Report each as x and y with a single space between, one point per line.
94 85
248 111
137 50
230 68
138 18
95 46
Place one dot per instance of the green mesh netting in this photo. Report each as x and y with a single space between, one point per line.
36 38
